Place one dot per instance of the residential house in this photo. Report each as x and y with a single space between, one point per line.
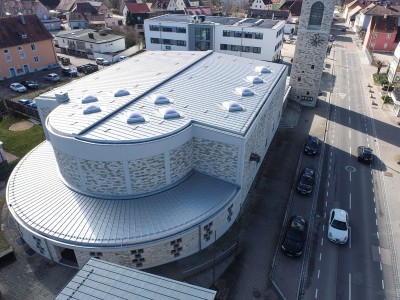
353 13
394 67
65 6
294 8
276 4
77 20
199 10
138 13
100 8
50 4
261 5
89 42
27 7
246 37
362 20
348 7
25 46
159 7
269 14
177 6
382 34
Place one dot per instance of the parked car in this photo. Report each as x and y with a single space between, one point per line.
338 227
102 61
311 145
306 181
65 61
53 77
87 69
365 154
17 87
69 72
24 101
122 57
31 84
32 104
295 236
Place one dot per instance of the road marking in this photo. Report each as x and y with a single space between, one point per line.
349 286
320 256
376 222
375 210
327 193
349 237
380 265
372 181
326 203
342 95
318 273
350 200
327 184
377 235
350 135
373 190
383 285
350 151
316 293
374 199
323 227
324 215
350 176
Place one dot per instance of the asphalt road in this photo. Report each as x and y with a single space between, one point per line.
354 270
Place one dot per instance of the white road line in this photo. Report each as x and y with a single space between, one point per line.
379 249
383 285
377 235
324 215
349 107
318 273
323 227
326 203
376 222
316 293
367 140
373 191
327 184
350 151
372 181
380 265
375 210
350 176
374 199
331 153
320 256
350 200
327 193
349 286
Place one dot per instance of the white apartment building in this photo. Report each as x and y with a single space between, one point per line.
252 38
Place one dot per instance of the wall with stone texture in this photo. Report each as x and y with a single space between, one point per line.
68 167
181 161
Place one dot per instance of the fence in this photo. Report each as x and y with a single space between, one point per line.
22 109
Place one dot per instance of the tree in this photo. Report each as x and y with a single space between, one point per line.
379 65
128 19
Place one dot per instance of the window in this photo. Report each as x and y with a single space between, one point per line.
154 41
166 42
154 28
223 47
180 30
257 50
245 48
36 59
6 51
226 33
33 47
237 34
298 79
385 46
258 36
388 36
312 67
181 43
235 48
374 35
316 14
22 54
8 58
167 29
248 35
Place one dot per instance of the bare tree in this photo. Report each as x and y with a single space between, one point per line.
379 66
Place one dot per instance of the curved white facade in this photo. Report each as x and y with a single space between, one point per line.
145 193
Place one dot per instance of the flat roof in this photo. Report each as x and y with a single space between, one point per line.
83 35
100 279
38 198
196 82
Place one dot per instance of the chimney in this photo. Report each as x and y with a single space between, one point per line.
22 19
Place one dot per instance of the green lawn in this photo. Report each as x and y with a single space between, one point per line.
18 143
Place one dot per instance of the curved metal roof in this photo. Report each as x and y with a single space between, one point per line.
38 198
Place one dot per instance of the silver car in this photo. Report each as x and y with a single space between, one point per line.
17 87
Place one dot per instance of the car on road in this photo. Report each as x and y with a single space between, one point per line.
102 61
17 87
365 154
30 84
295 236
306 181
311 145
88 68
24 101
69 72
338 227
53 77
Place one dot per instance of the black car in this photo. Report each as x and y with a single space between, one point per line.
31 84
306 181
69 72
311 145
295 236
365 154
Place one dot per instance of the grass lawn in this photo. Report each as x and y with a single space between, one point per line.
18 143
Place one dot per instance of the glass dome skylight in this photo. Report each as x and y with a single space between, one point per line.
254 79
160 99
91 108
244 91
134 117
263 69
169 113
121 92
232 106
89 99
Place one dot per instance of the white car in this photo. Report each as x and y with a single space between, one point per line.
102 61
338 227
17 87
53 77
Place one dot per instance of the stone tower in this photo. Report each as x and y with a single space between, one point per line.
312 42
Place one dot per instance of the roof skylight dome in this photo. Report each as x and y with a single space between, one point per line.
263 69
89 99
254 79
232 106
244 91
91 108
121 92
169 113
134 117
160 99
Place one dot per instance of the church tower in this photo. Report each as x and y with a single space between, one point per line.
312 42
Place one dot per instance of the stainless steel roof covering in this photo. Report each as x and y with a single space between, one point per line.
196 82
104 280
40 200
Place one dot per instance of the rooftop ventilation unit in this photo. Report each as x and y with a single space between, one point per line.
62 97
232 106
160 99
254 79
169 113
89 99
134 117
91 108
121 93
243 91
263 69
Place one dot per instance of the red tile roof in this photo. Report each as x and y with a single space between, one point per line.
293 6
381 10
384 25
138 8
22 30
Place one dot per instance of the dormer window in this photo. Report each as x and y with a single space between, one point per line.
232 106
244 91
160 99
121 93
91 108
169 113
89 99
134 117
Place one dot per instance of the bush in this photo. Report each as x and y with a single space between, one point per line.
381 79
